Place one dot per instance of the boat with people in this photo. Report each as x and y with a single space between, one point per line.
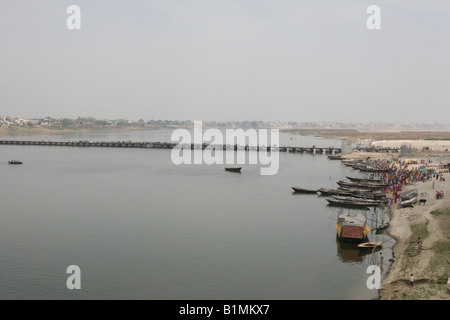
233 169
15 162
352 227
302 190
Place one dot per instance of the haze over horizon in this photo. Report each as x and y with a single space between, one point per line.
232 60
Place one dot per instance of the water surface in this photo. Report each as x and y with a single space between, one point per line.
141 227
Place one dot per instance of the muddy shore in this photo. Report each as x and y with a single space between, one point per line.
431 222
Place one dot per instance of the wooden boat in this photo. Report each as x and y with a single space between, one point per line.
408 203
15 162
351 160
364 180
233 169
335 157
348 203
363 192
352 227
370 245
407 195
301 190
330 192
370 202
361 185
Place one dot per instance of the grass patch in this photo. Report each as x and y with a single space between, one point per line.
442 247
420 230
445 211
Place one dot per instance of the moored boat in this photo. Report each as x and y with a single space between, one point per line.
407 195
361 185
408 203
302 190
233 169
352 227
364 180
330 192
349 203
361 193
369 202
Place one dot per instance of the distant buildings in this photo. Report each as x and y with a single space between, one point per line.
89 122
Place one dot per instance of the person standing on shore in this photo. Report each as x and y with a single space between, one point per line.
411 280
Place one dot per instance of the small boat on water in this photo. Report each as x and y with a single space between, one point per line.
352 227
360 185
15 162
302 190
335 157
330 192
233 169
351 161
369 202
349 203
364 180
360 193
370 245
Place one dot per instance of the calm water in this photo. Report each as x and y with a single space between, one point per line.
140 227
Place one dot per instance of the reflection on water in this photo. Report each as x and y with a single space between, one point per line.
349 251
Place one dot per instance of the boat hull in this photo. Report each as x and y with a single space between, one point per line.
301 190
233 169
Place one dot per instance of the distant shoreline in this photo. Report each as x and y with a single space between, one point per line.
339 134
355 135
22 131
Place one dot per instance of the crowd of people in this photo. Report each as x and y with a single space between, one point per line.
396 174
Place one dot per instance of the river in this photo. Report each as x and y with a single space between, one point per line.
141 227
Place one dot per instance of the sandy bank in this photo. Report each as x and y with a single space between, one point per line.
430 266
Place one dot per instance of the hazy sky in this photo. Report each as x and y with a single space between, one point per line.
284 60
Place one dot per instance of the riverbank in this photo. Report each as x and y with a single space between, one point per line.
372 136
431 222
430 266
36 131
